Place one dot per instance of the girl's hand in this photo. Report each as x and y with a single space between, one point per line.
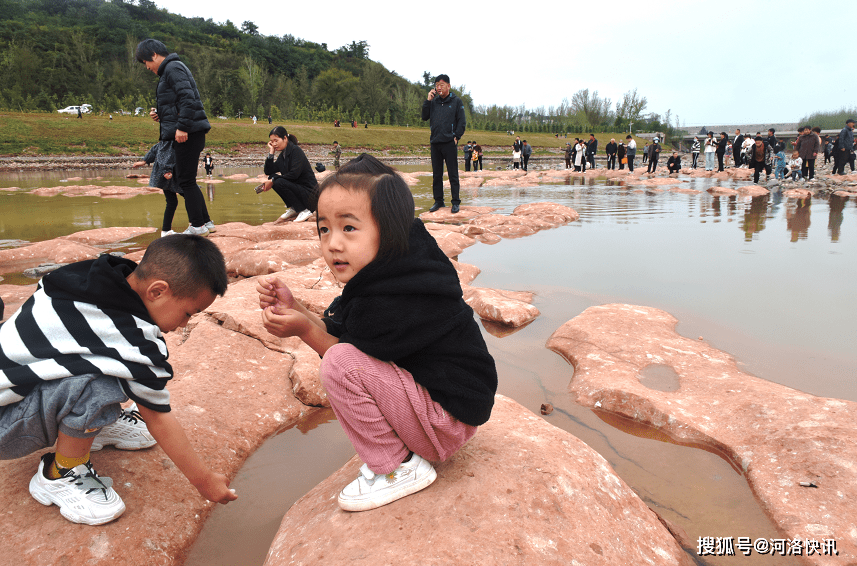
286 323
275 294
266 186
271 148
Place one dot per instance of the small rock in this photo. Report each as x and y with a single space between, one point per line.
42 269
547 408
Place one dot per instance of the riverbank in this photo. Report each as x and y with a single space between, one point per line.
253 155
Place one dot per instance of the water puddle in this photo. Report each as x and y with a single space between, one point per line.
660 378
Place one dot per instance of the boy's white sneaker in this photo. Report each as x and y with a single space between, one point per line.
210 226
82 496
167 233
303 215
288 213
372 490
127 433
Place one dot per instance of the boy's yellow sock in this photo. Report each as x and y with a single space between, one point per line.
63 463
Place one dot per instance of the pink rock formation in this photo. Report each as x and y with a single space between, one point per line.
51 251
14 296
778 436
520 492
103 236
510 308
267 232
466 272
753 190
722 191
119 192
550 214
452 242
797 193
465 214
270 257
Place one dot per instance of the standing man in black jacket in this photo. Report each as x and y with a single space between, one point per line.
182 118
721 149
610 149
843 148
591 149
446 112
737 146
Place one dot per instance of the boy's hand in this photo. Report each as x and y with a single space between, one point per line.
138 164
215 487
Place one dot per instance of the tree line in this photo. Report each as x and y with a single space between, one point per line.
57 53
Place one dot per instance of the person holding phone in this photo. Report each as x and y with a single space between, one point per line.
446 114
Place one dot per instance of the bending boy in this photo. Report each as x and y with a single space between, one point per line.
87 340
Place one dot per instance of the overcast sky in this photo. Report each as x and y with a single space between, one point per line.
710 63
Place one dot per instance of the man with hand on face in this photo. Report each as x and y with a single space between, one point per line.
446 114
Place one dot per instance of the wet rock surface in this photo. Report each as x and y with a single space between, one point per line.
520 492
779 437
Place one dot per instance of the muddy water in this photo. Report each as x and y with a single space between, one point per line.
766 279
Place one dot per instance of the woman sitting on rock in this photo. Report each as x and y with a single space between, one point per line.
290 175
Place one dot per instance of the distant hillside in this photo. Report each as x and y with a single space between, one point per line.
58 53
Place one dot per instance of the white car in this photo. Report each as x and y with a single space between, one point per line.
84 109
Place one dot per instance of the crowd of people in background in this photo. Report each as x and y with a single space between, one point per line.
767 153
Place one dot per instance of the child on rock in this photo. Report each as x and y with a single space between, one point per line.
404 363
87 340
162 158
794 166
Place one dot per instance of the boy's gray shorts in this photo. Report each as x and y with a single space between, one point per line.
78 406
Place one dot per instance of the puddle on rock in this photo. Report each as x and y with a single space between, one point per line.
660 377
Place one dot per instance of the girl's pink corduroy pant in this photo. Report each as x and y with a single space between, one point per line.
385 413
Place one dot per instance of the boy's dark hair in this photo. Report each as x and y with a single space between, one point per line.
817 130
444 78
390 199
771 130
849 121
628 137
804 128
147 49
758 138
187 263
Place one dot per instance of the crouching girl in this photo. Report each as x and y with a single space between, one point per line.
404 363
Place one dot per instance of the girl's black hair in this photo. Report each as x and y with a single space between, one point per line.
281 132
390 199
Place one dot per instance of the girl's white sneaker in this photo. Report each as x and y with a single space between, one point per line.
372 490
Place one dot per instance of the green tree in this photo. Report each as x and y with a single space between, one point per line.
335 87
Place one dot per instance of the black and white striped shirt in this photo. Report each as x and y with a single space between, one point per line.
84 318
